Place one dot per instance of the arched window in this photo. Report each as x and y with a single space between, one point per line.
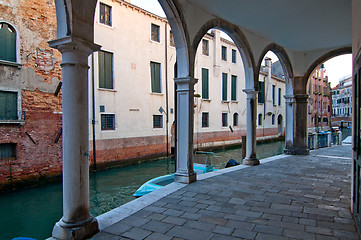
260 119
273 119
7 42
235 119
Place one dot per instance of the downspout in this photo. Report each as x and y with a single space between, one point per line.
166 84
93 117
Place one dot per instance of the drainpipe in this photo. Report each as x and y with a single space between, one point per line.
93 117
166 84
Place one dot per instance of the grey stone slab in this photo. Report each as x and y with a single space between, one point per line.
269 230
200 225
244 234
118 228
223 237
158 236
137 234
223 230
106 236
213 220
157 216
319 230
298 235
189 233
191 216
155 209
346 234
135 221
156 226
240 225
264 236
308 222
172 212
175 220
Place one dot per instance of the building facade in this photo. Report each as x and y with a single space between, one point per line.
30 93
320 101
342 102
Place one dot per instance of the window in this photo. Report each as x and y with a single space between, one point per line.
224 53
259 119
205 119
205 83
7 43
235 119
224 86
273 119
234 56
105 70
155 33
155 77
105 14
107 121
274 94
7 151
171 39
8 105
157 121
234 88
279 96
205 47
261 92
224 119
325 119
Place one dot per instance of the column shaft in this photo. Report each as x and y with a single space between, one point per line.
184 122
251 158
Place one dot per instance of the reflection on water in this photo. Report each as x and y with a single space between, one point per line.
33 212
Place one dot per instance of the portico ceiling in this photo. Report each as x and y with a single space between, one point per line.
299 25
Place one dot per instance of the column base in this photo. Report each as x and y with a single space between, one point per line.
292 151
185 177
251 161
75 231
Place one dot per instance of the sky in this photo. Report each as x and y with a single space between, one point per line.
337 68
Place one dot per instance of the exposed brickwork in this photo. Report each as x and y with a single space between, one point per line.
35 22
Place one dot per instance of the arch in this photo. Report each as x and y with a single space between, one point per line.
12 53
285 63
260 118
323 58
273 119
181 39
240 41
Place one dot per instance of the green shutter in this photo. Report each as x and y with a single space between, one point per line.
8 105
234 88
261 92
234 53
7 43
205 84
155 77
105 70
224 86
279 96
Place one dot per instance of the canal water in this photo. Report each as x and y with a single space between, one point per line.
33 212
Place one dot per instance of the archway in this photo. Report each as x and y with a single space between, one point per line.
280 125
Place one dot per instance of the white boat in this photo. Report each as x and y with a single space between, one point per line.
202 165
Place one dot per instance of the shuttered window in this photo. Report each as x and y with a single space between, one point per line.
155 33
205 119
261 92
105 70
7 43
105 14
8 151
205 83
279 96
224 53
234 56
224 119
224 86
8 105
234 88
274 94
155 77
235 119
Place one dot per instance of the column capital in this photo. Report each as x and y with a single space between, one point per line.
301 98
251 91
289 98
71 43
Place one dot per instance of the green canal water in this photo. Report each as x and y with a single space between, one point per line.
33 212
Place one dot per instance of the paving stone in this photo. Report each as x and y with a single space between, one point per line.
157 216
105 236
346 234
213 220
134 221
118 228
319 230
190 233
155 209
269 230
240 225
272 216
156 226
191 216
308 222
263 236
244 234
200 225
175 220
158 236
223 230
172 212
298 234
223 237
137 234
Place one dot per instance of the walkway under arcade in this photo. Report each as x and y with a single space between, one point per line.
302 34
286 197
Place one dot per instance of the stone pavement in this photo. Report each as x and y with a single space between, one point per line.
288 197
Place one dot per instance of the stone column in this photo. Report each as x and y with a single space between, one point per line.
251 158
329 139
77 222
300 130
184 122
289 99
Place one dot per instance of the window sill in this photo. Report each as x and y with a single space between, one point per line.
225 101
152 41
12 64
20 122
157 94
107 90
105 25
206 100
234 101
